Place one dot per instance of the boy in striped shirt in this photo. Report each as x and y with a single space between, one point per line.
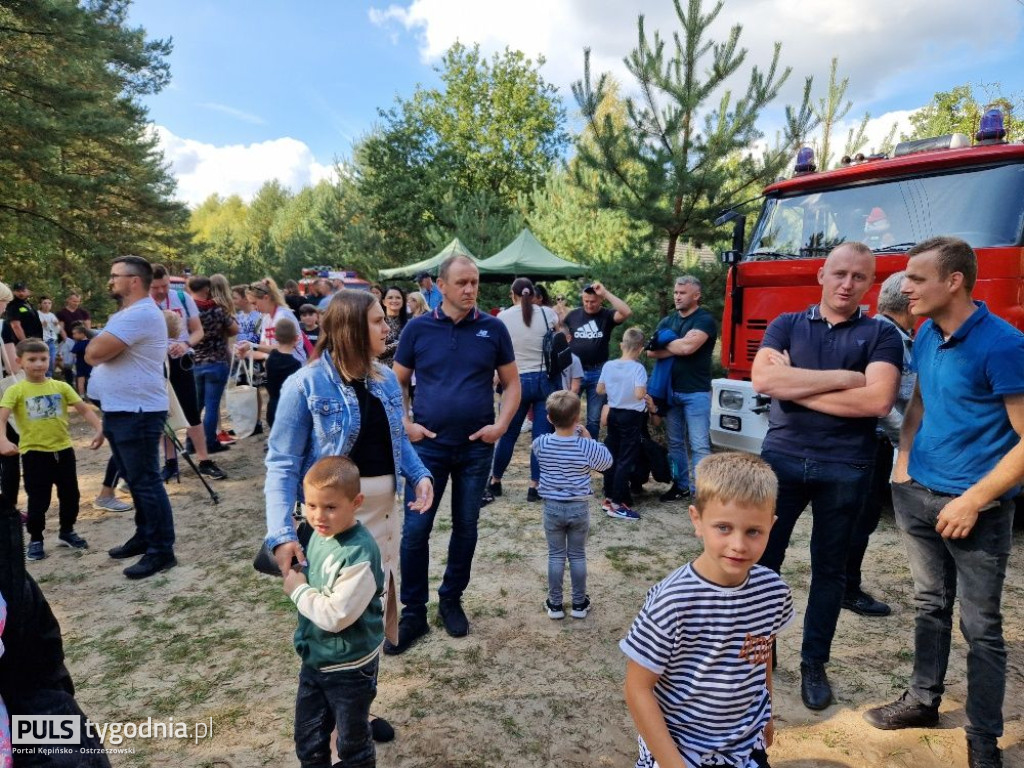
698 679
566 459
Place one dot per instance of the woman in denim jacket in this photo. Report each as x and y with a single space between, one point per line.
322 412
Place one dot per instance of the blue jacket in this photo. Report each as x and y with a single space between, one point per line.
659 385
318 415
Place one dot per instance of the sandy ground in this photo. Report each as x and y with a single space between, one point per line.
210 641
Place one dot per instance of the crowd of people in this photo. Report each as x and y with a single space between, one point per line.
379 394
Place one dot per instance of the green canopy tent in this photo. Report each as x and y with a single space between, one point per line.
454 248
526 257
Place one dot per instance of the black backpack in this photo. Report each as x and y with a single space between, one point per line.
557 356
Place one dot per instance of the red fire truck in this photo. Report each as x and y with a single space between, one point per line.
349 278
938 186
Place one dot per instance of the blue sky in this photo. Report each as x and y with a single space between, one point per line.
265 89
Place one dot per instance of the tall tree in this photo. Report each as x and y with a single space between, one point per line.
493 128
667 167
80 174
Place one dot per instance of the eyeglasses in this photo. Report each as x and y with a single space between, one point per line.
561 298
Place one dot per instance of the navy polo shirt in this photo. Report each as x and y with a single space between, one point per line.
815 344
965 430
454 365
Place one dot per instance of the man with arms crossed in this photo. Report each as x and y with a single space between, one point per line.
128 359
831 372
454 351
689 407
960 462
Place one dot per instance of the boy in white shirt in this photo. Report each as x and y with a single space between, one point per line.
624 382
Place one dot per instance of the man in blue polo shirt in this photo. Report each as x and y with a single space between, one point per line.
960 462
831 372
454 352
430 291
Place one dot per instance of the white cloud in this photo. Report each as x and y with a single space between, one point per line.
204 169
887 48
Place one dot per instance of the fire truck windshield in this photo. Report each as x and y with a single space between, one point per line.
984 206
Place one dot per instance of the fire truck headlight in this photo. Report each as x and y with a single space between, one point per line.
731 399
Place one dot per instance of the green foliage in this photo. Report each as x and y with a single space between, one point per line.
676 160
959 111
81 179
465 151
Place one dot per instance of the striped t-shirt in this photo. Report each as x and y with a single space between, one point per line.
565 465
710 646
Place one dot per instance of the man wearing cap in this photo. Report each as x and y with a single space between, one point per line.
591 328
22 316
429 290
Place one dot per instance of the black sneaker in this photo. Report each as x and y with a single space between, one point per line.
211 470
580 610
487 498
150 565
131 548
410 629
495 488
259 428
555 610
532 494
170 470
217 447
862 603
905 712
71 539
984 756
675 493
815 690
453 617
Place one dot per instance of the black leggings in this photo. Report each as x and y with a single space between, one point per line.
10 471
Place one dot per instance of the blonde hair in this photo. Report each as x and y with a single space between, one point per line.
336 472
633 339
421 303
740 477
220 292
267 287
563 408
173 320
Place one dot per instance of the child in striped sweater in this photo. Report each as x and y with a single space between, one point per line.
566 459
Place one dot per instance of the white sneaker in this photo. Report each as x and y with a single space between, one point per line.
111 504
527 427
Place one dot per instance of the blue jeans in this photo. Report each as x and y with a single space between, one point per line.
341 699
52 345
135 442
595 402
566 525
211 379
974 568
835 491
535 391
688 421
469 466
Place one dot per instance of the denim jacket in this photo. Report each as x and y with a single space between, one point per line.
318 415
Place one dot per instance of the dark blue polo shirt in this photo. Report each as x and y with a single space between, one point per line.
815 344
454 366
965 430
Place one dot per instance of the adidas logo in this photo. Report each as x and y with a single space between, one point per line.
589 331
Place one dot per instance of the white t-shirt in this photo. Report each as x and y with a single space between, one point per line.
173 303
267 331
528 342
574 371
51 326
620 378
134 380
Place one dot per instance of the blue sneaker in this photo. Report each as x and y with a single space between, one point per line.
35 551
622 512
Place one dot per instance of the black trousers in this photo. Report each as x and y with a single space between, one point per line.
10 471
43 471
623 441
